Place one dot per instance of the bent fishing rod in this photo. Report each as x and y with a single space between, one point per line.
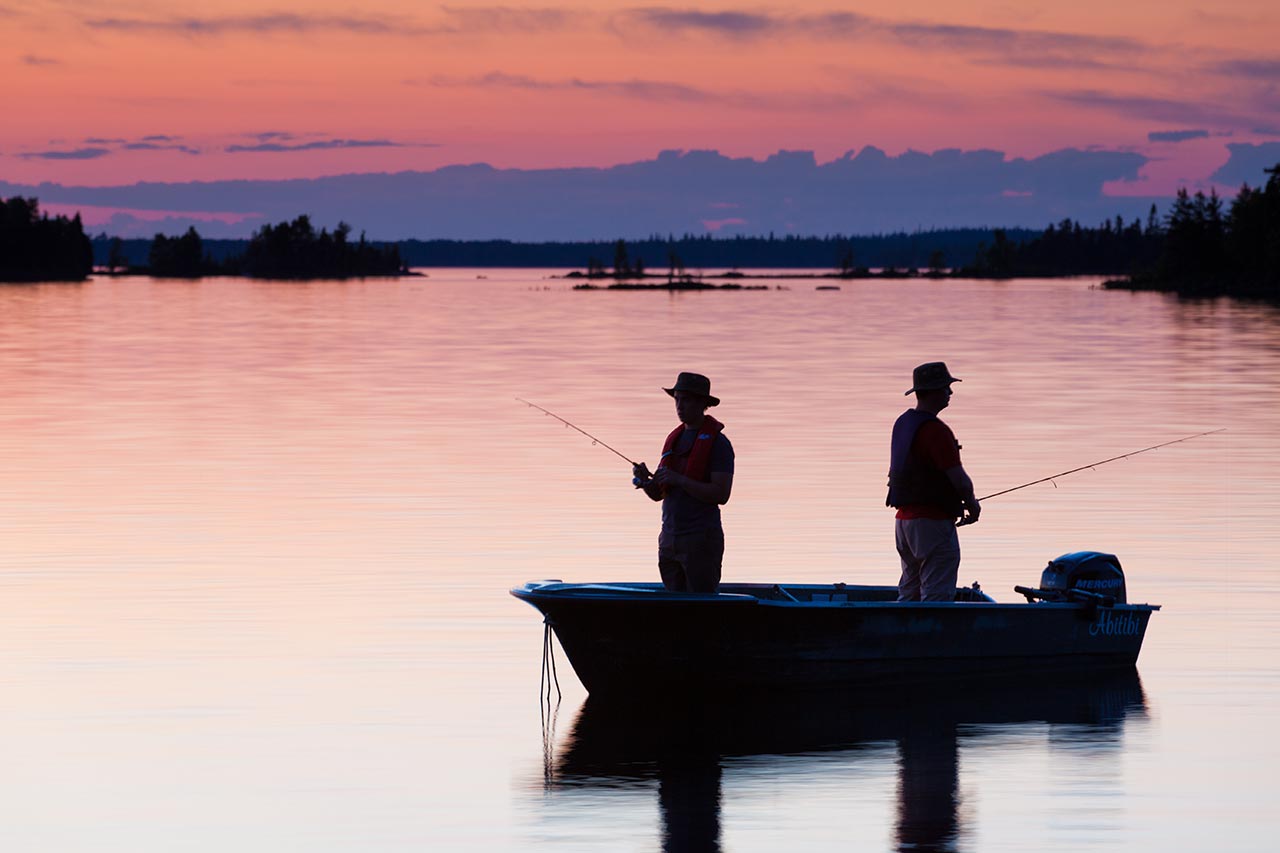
638 468
1053 477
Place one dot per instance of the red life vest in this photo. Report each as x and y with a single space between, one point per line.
697 464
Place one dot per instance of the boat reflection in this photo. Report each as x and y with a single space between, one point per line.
684 748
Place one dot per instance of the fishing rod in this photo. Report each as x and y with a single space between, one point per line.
1103 462
594 440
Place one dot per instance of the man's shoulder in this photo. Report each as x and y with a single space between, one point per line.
722 455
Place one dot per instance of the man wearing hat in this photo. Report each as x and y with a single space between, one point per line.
694 477
931 490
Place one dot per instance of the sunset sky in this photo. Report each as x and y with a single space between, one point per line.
104 93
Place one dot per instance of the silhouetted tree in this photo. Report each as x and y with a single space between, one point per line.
116 260
621 263
1205 252
180 257
293 250
937 262
1194 257
845 263
675 266
35 247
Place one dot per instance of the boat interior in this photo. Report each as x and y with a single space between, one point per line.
834 593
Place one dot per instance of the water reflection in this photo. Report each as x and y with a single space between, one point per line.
688 748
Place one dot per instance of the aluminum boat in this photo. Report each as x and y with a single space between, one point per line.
637 638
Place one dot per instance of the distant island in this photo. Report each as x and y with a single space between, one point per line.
697 252
1197 249
288 251
35 247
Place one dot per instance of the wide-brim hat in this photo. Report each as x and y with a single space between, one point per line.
932 376
694 383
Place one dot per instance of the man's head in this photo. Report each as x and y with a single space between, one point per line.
692 393
931 383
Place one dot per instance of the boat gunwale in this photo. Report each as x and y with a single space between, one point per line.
648 593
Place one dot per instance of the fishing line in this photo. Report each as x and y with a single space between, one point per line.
1096 464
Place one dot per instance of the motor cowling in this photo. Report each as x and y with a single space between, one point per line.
1090 572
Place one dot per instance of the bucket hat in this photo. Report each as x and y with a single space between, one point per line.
931 376
694 383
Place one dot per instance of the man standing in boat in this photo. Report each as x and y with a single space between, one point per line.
694 477
930 489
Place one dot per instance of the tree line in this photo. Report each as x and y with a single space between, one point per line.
653 253
37 247
1201 247
1208 252
289 250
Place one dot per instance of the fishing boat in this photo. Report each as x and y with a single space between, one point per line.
639 639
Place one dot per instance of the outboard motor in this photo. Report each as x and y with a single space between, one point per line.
1087 576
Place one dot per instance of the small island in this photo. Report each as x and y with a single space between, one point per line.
288 251
36 247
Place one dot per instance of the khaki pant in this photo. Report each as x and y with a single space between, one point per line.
691 562
930 552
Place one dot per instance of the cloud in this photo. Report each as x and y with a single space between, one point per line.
1052 62
317 145
1262 70
1248 163
456 21
76 154
152 142
741 25
39 61
727 23
650 90
654 91
269 24
1154 109
1176 135
155 146
865 192
506 19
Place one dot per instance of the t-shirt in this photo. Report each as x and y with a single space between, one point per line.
681 512
935 444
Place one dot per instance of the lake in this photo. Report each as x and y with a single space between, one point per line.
258 539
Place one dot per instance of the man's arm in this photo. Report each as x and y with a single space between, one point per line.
964 485
715 492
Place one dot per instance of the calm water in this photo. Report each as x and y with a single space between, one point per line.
258 537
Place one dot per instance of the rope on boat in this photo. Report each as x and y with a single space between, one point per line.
548 711
549 675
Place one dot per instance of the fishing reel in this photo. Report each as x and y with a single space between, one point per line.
641 475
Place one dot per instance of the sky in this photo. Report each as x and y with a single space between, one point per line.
98 93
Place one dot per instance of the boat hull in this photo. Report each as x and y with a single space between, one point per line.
637 639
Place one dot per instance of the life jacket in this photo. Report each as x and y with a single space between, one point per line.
912 481
696 464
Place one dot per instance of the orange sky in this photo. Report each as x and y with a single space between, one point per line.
113 92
